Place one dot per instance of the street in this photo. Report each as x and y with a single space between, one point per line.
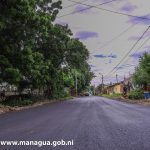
94 123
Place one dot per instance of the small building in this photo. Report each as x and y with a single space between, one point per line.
114 88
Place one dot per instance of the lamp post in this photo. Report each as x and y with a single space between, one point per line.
102 83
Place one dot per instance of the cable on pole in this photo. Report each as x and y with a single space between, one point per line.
130 50
72 5
116 37
89 7
133 53
112 11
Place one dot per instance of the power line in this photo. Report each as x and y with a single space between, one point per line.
72 5
89 7
119 13
116 37
119 35
130 50
138 50
141 46
134 52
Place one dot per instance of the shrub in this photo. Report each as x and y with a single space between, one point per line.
136 94
17 102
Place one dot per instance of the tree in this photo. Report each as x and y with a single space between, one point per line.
142 72
33 49
22 24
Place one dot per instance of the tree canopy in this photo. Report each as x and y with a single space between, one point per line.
35 52
142 73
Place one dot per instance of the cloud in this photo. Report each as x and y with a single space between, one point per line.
100 56
105 56
134 38
81 9
84 35
128 7
124 66
139 54
112 56
141 19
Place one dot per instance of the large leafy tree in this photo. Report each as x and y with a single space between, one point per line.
142 73
33 50
22 24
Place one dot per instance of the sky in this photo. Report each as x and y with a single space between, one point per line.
110 37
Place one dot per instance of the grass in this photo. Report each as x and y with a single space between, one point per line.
112 96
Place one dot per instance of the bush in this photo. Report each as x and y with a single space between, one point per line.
136 94
15 101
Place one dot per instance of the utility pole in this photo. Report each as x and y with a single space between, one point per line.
76 80
117 78
94 90
102 83
102 78
124 77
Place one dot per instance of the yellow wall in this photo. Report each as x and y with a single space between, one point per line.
115 89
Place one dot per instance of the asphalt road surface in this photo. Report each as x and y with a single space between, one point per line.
93 123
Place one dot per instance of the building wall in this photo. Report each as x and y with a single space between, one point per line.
115 89
118 88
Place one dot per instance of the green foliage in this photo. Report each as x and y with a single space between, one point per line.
136 94
17 102
142 73
112 96
11 75
33 49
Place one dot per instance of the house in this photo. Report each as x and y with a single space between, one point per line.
114 88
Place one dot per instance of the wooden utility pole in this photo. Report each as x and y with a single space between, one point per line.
76 80
117 78
102 81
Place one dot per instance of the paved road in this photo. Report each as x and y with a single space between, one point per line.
94 123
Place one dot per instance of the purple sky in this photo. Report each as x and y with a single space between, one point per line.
140 20
84 35
128 7
138 54
105 56
109 36
81 9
